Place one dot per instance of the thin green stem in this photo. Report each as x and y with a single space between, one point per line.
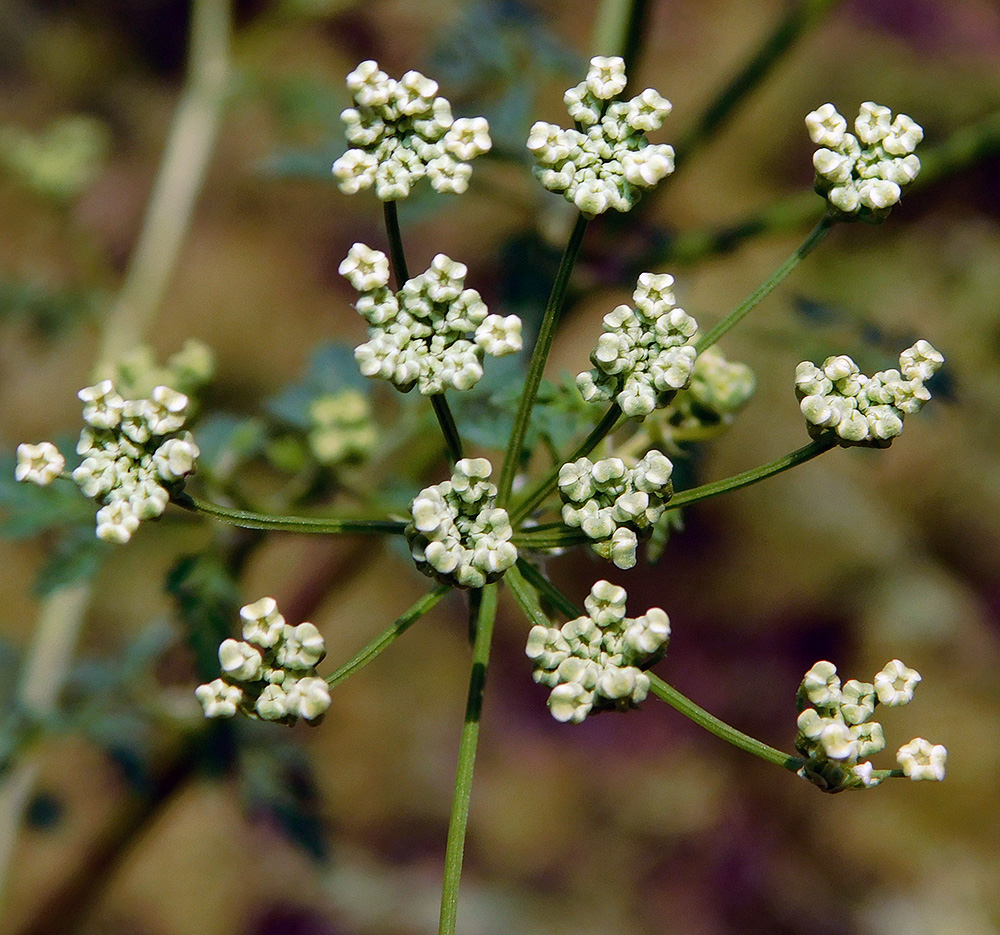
820 231
790 460
529 575
720 728
548 483
455 848
304 524
560 538
396 254
798 20
448 428
385 640
539 355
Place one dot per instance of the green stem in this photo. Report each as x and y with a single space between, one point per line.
543 344
720 728
455 848
304 524
820 231
790 460
448 428
396 254
525 576
542 489
795 23
385 640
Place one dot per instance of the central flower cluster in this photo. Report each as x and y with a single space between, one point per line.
433 333
835 735
607 161
643 357
457 534
401 131
864 173
271 673
593 662
864 410
610 502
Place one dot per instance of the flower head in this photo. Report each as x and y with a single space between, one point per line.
401 131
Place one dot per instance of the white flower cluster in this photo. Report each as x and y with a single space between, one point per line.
836 737
456 533
401 131
271 673
644 355
863 410
607 161
863 174
134 456
596 662
610 502
433 333
343 428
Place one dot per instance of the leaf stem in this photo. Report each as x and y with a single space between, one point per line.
385 640
745 479
539 355
822 228
720 728
458 823
542 489
303 524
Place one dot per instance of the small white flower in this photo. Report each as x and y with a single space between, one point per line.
302 647
272 703
826 127
240 661
896 683
920 759
468 137
262 624
821 685
116 522
176 458
606 76
102 405
308 697
570 702
167 410
39 464
218 698
366 269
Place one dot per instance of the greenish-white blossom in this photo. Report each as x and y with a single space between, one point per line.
645 354
612 503
605 161
597 662
401 131
863 174
271 673
457 534
860 410
433 333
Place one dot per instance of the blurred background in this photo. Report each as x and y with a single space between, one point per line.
124 813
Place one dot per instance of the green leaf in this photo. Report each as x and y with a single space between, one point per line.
29 509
